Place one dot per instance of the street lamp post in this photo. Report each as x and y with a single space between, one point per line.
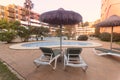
28 5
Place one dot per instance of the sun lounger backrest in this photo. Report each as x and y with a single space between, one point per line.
47 51
74 51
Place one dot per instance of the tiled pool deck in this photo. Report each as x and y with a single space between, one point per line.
99 68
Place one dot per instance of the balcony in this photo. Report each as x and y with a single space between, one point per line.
11 15
11 10
31 17
23 9
23 13
23 18
11 19
2 13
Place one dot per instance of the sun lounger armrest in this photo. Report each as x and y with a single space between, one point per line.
54 58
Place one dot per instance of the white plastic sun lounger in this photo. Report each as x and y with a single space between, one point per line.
72 58
102 52
48 57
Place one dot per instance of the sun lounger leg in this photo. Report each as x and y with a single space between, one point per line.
55 64
37 65
84 68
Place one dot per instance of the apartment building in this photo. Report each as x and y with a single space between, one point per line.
87 30
108 8
2 11
15 12
77 30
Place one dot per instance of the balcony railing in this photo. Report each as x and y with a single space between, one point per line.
23 9
23 18
11 9
11 19
23 13
11 15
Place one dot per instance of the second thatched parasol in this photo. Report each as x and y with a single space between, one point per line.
112 21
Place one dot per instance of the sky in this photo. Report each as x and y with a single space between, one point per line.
90 10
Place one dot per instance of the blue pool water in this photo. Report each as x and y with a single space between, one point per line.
44 44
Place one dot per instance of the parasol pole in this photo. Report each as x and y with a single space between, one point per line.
111 38
61 38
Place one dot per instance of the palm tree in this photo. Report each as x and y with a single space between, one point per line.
68 31
58 33
85 25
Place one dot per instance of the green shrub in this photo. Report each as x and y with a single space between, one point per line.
107 36
82 38
116 37
7 36
23 33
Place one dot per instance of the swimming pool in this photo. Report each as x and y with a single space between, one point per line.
44 44
36 45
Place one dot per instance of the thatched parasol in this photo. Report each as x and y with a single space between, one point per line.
61 17
112 21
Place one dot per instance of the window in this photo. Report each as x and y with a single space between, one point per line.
17 16
17 11
2 13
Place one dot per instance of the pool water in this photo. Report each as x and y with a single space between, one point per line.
56 43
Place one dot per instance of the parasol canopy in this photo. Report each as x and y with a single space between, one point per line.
61 17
